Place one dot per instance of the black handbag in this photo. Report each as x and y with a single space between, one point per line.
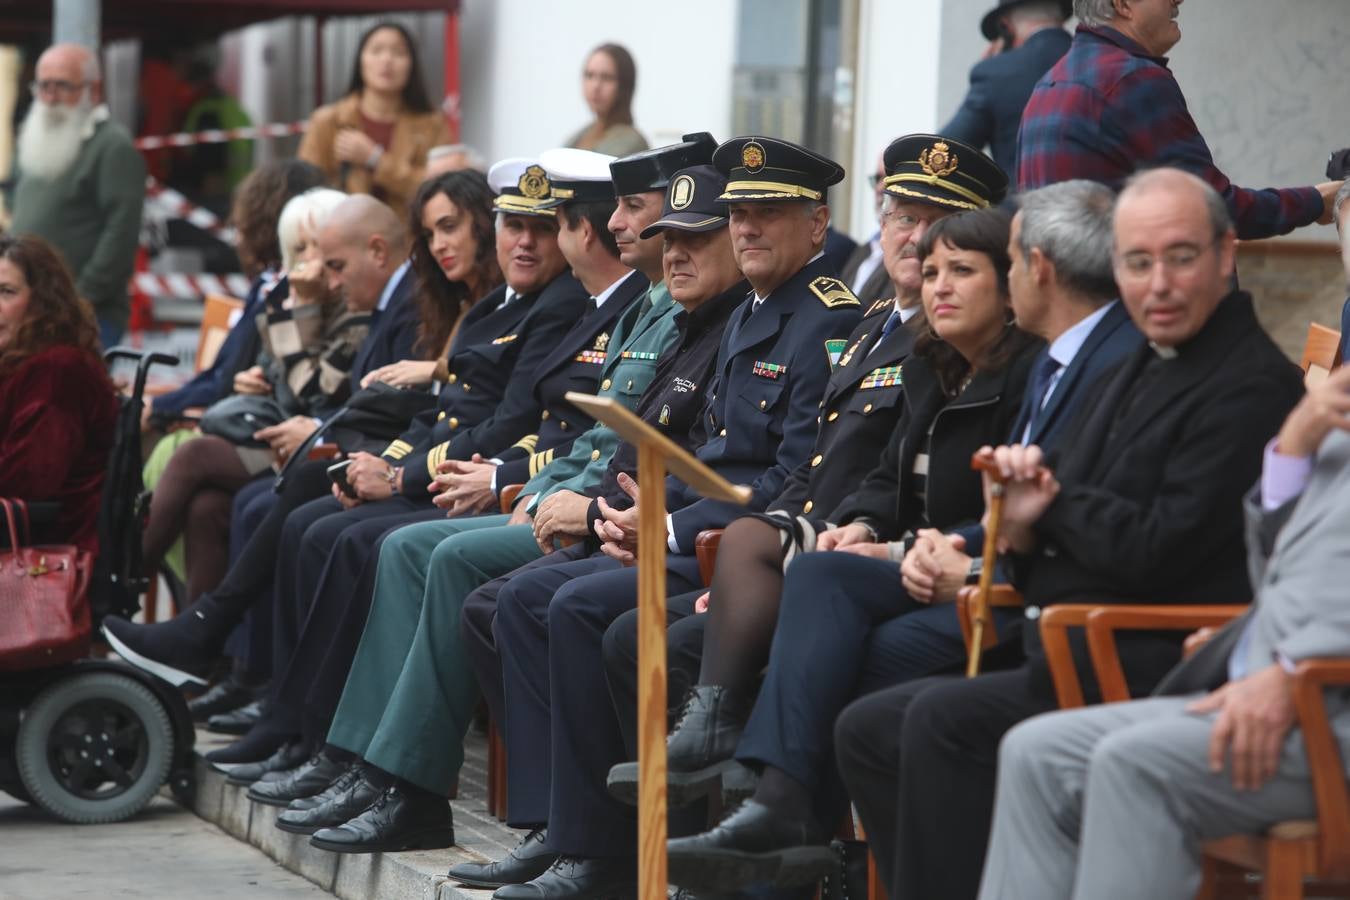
237 417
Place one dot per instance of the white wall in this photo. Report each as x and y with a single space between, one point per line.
896 91
521 60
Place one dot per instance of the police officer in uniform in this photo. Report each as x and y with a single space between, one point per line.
859 411
772 369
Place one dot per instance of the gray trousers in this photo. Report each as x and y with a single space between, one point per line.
1113 802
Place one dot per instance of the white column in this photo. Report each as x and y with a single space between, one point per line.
75 22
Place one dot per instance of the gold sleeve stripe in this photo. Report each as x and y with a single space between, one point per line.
398 449
436 456
539 461
527 443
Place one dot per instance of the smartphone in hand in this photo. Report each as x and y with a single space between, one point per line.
337 473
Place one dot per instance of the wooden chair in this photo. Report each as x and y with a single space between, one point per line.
1321 353
705 548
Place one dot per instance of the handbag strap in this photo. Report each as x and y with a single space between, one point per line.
9 507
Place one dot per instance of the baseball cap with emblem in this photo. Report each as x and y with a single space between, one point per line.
577 176
943 171
764 168
692 202
522 187
652 170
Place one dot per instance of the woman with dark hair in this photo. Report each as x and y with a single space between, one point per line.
56 402
375 139
455 259
608 82
963 388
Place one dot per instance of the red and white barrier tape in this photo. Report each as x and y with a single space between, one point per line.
173 205
190 286
218 135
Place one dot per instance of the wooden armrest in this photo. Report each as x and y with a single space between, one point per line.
509 495
1311 679
324 451
999 595
1104 621
705 548
1055 622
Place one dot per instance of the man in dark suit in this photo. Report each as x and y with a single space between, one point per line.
1026 37
864 271
1141 502
1063 292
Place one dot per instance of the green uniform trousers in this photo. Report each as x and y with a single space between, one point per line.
411 693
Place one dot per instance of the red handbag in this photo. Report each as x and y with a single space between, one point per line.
44 614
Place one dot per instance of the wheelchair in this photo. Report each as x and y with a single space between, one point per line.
94 740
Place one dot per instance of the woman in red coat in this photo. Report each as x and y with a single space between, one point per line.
57 407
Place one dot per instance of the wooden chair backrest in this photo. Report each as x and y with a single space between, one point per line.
218 315
1321 353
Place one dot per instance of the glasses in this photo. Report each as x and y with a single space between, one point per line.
56 86
1175 261
903 220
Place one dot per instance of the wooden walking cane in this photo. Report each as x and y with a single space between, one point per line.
981 614
657 455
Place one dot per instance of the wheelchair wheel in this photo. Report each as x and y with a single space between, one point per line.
94 748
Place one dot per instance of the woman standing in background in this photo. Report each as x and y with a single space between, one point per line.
608 82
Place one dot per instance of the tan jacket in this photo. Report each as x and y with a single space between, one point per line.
402 165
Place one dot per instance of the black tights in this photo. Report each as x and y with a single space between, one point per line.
743 607
204 464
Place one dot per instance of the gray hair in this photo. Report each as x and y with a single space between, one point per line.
1220 221
1037 10
309 209
1070 222
1341 196
1094 12
472 158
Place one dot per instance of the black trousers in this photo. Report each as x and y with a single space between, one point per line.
321 602
919 761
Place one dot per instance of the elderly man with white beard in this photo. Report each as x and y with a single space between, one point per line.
81 182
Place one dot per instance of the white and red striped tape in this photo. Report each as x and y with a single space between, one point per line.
173 205
190 286
218 135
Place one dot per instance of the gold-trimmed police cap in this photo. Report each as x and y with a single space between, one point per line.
765 168
692 202
930 168
577 176
522 187
652 170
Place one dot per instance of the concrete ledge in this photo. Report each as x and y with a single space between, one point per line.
416 875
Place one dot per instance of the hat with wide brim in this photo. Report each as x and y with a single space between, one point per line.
989 24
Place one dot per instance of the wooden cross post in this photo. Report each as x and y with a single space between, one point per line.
657 456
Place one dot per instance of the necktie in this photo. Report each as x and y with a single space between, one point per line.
893 321
1041 380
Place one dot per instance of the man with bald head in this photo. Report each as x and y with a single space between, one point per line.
80 182
1140 502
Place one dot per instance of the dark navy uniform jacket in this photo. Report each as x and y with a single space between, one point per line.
771 373
574 363
857 414
494 340
392 332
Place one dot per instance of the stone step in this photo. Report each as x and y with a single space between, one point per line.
413 875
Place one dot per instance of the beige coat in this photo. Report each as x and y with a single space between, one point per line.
398 173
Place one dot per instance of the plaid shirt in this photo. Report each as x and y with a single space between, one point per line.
1108 108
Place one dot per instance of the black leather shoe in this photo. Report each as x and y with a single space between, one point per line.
181 650
260 743
341 801
699 750
575 878
398 820
226 695
753 845
306 781
528 861
287 757
237 721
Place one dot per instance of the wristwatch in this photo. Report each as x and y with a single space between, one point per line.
976 567
392 476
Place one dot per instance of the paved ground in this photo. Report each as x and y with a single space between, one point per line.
165 853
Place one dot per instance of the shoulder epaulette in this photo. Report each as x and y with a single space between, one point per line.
887 305
833 292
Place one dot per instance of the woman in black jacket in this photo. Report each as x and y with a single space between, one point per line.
832 636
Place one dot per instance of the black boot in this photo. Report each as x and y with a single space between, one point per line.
699 750
528 861
226 695
756 844
181 650
403 818
306 781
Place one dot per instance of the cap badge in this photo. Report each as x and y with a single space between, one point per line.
752 157
534 183
939 160
682 192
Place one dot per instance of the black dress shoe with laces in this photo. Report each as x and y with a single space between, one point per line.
699 751
226 695
399 820
306 781
753 845
578 878
287 757
341 801
528 861
237 721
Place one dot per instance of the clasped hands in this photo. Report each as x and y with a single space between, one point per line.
463 487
